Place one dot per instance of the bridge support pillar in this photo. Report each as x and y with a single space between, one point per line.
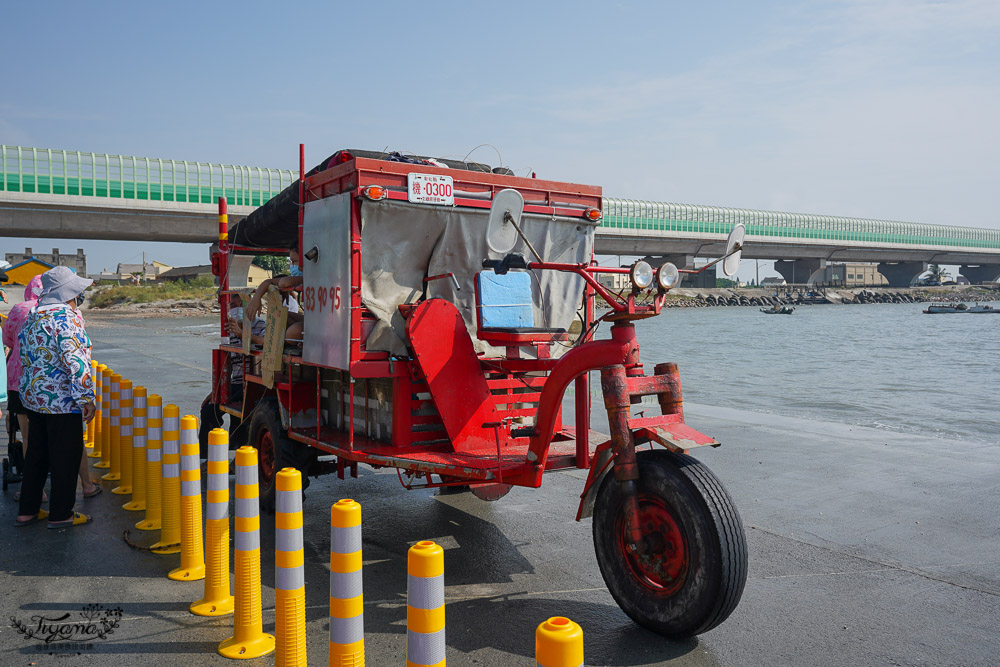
800 271
901 274
239 270
982 273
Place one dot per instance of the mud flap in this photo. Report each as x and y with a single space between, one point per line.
446 357
600 465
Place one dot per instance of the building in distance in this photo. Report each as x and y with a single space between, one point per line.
22 272
76 263
147 271
852 275
186 273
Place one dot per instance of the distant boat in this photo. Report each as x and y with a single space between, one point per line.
935 308
783 309
982 309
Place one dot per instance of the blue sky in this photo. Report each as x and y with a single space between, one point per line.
869 109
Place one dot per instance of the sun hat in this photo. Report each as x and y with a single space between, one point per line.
59 285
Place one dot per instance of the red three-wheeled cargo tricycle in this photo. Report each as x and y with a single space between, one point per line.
430 346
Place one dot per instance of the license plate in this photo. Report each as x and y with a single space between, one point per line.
430 189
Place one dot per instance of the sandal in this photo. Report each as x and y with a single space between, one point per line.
76 520
42 514
96 492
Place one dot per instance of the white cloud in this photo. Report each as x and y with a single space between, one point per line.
873 109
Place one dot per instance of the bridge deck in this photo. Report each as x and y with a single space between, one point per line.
76 184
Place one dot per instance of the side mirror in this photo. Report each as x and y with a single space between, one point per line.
502 226
734 251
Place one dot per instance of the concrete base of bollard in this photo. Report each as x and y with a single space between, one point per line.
254 648
187 574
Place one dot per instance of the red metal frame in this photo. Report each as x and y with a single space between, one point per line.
220 266
495 444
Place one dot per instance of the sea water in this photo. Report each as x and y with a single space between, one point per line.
886 366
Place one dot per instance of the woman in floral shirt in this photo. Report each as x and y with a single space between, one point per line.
56 389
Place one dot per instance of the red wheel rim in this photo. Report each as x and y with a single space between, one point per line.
265 450
663 565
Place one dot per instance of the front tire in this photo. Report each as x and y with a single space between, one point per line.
693 566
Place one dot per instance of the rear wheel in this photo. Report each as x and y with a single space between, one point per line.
452 488
690 572
276 451
490 491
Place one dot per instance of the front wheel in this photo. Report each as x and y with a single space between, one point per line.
690 572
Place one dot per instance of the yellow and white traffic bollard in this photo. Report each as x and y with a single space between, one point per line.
192 565
217 600
248 640
88 436
100 416
425 643
114 472
347 627
170 529
559 643
289 572
105 462
124 450
154 463
138 502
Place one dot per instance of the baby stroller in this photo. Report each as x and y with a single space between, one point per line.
13 463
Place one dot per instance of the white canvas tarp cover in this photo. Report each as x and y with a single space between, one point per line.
401 244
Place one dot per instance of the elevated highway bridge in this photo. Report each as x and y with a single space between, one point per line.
50 193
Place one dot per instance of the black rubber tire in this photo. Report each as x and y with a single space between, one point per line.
451 490
266 433
709 582
209 418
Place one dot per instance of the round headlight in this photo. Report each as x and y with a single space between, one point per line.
641 274
667 276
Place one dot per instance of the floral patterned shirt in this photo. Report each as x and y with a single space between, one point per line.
55 358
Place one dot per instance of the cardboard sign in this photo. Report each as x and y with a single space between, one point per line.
274 335
245 295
